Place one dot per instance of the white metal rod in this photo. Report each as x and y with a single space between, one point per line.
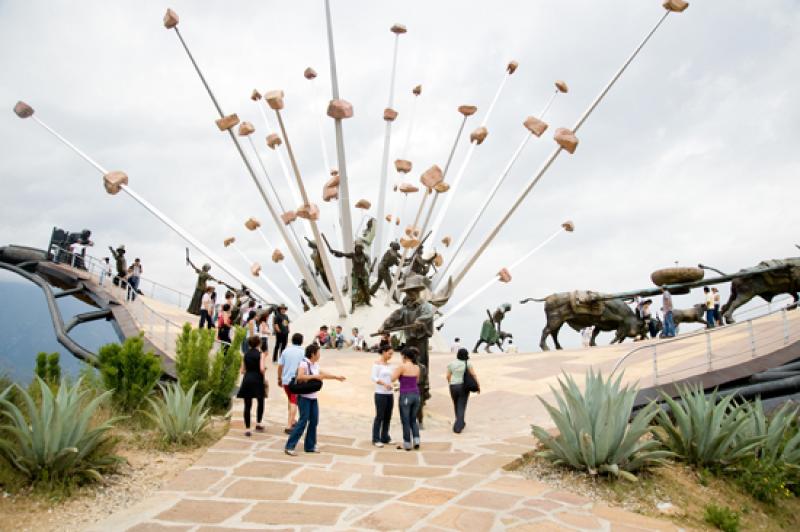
286 174
307 275
488 198
323 253
397 270
387 139
437 222
70 145
444 174
495 279
552 157
344 186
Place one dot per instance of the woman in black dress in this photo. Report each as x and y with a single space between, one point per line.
253 369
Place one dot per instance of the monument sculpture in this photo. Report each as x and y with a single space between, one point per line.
121 263
390 258
580 309
491 333
200 287
359 292
316 259
415 320
767 280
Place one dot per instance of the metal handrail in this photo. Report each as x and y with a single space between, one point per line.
662 342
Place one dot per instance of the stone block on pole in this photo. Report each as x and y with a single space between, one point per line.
227 122
252 224
535 126
479 135
113 181
245 129
403 166
274 100
273 141
340 109
288 217
676 6
389 114
23 110
566 139
255 269
170 19
432 177
309 73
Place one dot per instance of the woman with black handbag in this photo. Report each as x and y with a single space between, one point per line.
253 371
306 385
463 380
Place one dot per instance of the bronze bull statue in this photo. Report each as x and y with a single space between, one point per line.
778 277
695 314
581 309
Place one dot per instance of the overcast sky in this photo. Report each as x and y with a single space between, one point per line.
692 156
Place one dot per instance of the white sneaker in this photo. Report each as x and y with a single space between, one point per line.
290 452
377 444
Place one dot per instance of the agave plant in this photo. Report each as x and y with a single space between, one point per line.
55 440
706 429
779 435
594 432
176 415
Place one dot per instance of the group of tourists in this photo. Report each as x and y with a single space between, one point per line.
300 378
335 338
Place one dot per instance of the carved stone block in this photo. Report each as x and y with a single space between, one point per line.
23 110
535 126
398 29
246 128
512 67
479 135
170 19
407 188
330 193
389 114
273 140
228 241
255 269
288 217
432 176
309 73
255 95
274 99
113 181
388 218
363 204
442 187
566 139
252 224
417 90
402 166
467 110
561 85
408 242
308 212
340 109
277 256
678 6
504 275
568 226
447 241
438 260
227 122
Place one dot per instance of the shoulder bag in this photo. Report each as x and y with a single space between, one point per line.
305 387
470 384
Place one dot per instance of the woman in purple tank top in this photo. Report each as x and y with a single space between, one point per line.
408 374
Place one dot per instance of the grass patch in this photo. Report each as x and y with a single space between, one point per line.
689 491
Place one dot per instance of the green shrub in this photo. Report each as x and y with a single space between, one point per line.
129 372
176 415
48 368
780 437
595 434
704 431
54 442
722 517
762 480
215 374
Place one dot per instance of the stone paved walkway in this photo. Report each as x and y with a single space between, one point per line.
454 482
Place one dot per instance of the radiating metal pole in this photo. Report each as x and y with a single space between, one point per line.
337 296
495 279
444 173
387 138
293 251
344 186
437 222
552 157
166 220
442 275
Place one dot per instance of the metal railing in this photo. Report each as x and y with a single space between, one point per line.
689 356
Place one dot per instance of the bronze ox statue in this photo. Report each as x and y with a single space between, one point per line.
581 309
767 280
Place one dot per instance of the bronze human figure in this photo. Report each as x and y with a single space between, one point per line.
199 289
359 294
491 333
390 258
307 297
319 269
415 320
122 265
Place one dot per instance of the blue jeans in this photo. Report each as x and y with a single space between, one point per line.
409 407
669 325
309 415
710 318
384 403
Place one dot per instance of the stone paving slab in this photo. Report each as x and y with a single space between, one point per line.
453 482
